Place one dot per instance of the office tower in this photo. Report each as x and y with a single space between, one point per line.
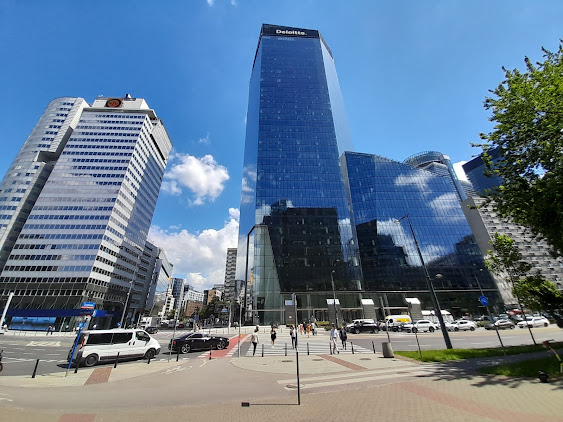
230 273
475 172
80 197
163 273
295 226
438 163
383 192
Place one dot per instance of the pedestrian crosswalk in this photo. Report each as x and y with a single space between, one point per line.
313 345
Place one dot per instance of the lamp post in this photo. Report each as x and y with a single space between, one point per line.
334 297
433 296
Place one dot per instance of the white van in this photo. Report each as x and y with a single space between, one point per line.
394 321
104 345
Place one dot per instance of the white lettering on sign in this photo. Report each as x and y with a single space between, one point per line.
279 31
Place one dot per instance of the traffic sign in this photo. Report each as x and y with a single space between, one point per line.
484 301
88 305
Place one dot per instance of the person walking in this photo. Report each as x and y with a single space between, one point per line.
308 330
333 338
301 328
293 335
314 328
254 340
343 337
273 335
48 330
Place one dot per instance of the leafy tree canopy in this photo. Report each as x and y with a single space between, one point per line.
539 294
527 109
506 259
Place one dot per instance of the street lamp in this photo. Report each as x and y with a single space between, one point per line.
433 296
334 297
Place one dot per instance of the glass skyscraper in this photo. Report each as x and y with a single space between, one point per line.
296 234
318 221
78 202
383 192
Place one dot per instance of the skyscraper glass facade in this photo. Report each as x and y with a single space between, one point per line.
83 236
294 212
383 192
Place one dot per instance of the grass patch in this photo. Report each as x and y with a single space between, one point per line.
459 354
528 368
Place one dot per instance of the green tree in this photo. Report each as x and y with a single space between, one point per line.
539 294
527 109
505 259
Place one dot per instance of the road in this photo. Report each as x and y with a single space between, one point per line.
21 352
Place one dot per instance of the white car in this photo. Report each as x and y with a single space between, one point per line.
420 326
534 322
462 325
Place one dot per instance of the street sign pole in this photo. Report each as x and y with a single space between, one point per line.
485 302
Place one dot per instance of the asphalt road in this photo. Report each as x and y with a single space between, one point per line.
21 352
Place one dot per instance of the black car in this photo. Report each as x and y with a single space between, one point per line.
151 330
197 341
501 324
363 327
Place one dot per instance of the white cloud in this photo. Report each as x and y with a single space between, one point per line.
204 141
417 179
447 206
459 170
210 2
203 176
200 257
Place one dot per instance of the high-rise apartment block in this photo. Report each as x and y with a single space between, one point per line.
77 204
230 288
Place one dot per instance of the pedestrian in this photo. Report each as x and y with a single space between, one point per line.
308 330
5 328
52 329
314 328
292 334
333 338
254 340
48 330
273 335
343 337
301 328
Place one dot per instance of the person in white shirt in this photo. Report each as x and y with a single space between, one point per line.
333 339
254 340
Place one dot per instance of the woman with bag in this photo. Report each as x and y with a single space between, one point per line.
273 335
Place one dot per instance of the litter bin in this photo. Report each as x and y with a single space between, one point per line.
387 350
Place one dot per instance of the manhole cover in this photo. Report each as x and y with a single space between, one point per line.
318 360
287 361
365 358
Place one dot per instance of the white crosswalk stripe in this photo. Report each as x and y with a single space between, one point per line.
44 343
314 345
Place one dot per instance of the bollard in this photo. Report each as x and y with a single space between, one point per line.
178 354
78 359
352 344
35 369
116 359
262 349
330 347
307 349
286 349
209 352
387 350
149 361
373 345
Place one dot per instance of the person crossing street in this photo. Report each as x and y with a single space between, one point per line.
333 339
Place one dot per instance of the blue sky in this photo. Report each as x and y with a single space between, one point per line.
413 75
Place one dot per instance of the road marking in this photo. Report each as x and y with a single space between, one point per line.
176 369
44 343
52 354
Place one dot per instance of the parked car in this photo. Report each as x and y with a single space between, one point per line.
181 325
107 345
420 325
362 325
534 322
197 341
501 324
151 330
463 325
